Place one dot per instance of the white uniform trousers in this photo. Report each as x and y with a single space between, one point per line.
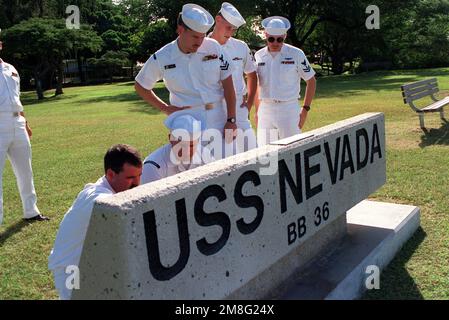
15 144
277 120
246 138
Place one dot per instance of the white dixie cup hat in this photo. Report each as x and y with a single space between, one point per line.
276 25
232 15
196 18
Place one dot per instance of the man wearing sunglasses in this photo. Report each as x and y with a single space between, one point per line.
280 68
227 22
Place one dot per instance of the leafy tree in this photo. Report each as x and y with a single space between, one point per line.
112 61
48 43
150 39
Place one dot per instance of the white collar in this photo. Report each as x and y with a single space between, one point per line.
104 182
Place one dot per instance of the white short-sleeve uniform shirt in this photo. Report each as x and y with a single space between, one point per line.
280 76
242 63
9 88
193 79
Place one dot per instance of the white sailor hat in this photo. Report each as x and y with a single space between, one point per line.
196 18
276 25
184 126
232 15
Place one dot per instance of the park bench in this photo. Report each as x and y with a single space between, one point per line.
421 89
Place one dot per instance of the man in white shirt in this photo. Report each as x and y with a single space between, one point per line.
227 22
280 68
15 144
196 72
184 152
123 170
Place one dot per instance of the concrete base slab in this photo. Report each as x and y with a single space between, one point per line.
376 232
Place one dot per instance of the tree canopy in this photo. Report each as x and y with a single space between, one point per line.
413 33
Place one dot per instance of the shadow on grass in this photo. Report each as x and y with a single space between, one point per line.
438 136
12 230
131 98
396 282
357 85
28 100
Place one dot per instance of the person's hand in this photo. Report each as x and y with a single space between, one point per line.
27 127
302 118
230 132
244 105
168 110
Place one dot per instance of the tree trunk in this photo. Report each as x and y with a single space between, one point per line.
80 69
39 91
60 71
40 4
337 65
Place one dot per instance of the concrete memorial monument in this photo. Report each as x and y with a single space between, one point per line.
230 230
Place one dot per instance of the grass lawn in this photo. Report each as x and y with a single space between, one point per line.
72 132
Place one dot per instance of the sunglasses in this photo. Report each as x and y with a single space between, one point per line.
272 39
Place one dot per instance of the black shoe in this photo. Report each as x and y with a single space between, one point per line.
39 217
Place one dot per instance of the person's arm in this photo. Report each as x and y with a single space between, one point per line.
257 104
252 89
310 94
152 98
146 79
229 95
27 126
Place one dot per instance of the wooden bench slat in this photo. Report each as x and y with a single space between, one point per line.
420 95
434 107
420 89
412 85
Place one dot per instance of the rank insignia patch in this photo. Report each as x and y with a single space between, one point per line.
210 57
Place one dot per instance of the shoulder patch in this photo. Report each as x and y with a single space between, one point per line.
306 67
153 163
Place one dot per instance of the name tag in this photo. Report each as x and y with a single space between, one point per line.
237 59
288 62
261 64
170 66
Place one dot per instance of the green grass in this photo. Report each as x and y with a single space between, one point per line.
72 132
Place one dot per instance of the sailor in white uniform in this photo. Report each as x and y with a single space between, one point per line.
197 74
123 170
182 153
227 22
280 68
15 141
